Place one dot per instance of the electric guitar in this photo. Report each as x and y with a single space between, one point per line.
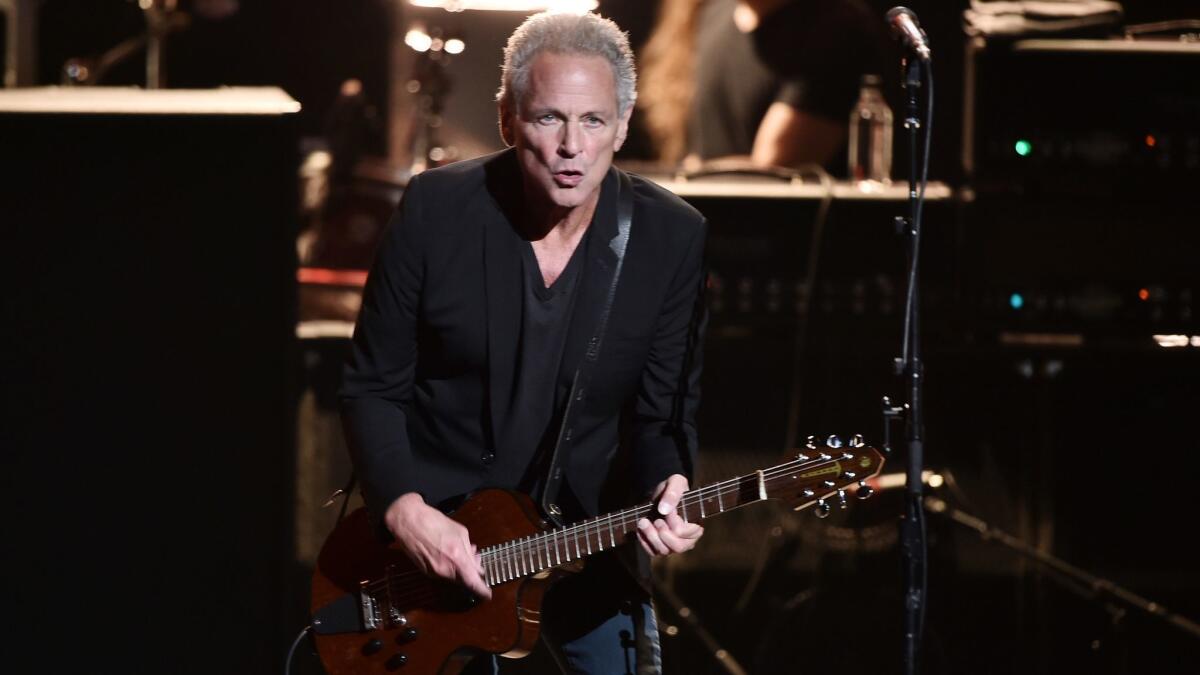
374 613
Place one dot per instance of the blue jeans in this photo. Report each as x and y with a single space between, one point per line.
597 622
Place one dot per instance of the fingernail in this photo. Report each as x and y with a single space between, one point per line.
643 524
665 508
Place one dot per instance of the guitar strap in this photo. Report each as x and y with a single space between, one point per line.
583 374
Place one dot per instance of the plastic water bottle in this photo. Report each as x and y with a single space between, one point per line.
871 136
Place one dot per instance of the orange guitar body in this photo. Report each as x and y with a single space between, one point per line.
441 628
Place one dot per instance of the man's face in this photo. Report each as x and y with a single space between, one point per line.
566 128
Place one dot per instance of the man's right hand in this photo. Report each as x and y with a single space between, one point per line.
438 546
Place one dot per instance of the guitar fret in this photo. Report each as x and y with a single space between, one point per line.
612 540
587 539
510 557
557 553
720 503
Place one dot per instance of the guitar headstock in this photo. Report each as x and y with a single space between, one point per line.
824 473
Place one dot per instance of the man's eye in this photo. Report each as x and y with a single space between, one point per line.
593 121
548 118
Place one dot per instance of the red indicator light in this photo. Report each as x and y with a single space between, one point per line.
1144 294
1151 141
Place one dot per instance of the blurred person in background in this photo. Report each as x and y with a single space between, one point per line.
757 83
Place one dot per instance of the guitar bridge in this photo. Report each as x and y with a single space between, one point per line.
367 608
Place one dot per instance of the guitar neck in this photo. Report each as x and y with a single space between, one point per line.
552 548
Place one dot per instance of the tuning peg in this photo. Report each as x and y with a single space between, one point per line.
811 443
833 441
864 491
803 457
841 498
809 493
856 441
822 509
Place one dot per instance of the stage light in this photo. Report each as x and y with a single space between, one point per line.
1172 341
455 46
573 6
1016 301
418 40
1023 147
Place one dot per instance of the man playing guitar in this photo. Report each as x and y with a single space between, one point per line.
499 279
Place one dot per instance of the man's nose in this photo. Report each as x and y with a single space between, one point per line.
569 143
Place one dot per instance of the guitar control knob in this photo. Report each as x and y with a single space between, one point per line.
372 646
833 442
864 490
396 661
407 635
822 508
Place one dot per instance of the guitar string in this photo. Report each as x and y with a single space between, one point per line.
518 558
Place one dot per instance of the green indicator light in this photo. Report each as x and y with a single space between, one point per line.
1023 147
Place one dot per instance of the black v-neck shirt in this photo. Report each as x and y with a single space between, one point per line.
540 385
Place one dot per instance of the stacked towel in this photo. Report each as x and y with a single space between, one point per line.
1040 17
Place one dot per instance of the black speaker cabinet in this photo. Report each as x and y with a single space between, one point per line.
147 258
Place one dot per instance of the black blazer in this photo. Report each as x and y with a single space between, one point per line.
432 364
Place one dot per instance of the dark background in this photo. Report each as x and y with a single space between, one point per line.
160 482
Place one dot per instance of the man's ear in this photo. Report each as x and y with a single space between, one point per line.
505 121
622 129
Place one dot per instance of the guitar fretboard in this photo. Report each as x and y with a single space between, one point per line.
537 553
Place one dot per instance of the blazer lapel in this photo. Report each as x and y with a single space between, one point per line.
502 274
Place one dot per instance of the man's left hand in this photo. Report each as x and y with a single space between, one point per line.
668 533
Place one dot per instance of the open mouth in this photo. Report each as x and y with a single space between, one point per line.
568 178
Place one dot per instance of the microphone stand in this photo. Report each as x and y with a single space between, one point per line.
913 545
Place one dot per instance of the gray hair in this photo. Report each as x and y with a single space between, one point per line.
560 33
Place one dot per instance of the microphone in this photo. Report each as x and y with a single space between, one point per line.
904 24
